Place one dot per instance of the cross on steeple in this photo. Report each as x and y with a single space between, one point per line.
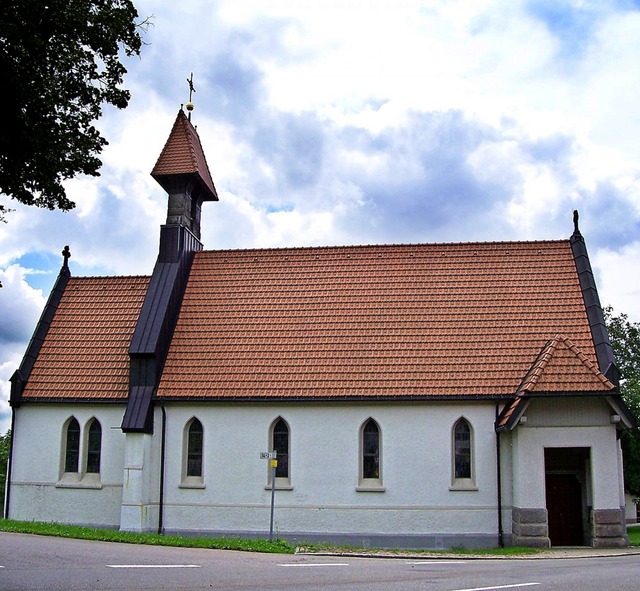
576 217
191 91
66 255
191 87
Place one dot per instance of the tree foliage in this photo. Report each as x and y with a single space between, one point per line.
5 443
625 340
60 62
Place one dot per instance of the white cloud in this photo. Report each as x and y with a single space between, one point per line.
21 307
344 121
616 272
7 367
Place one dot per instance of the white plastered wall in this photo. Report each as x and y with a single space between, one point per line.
38 489
567 422
141 480
324 466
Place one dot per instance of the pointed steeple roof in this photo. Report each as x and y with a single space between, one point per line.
183 156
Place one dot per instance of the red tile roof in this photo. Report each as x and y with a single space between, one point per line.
431 320
563 367
182 154
560 367
85 353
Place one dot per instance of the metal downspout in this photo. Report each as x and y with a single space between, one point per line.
162 460
499 485
7 492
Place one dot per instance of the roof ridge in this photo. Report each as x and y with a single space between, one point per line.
81 277
386 245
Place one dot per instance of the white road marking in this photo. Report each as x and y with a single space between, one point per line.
311 564
436 562
514 586
153 566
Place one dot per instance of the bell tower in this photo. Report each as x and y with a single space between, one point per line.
183 172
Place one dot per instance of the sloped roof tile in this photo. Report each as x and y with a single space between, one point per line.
430 320
85 352
561 366
183 155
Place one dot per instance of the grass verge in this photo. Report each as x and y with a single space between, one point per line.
109 535
248 545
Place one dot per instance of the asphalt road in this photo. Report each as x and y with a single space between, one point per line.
55 564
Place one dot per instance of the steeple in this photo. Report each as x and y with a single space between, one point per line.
182 171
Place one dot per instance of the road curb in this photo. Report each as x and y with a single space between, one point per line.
560 554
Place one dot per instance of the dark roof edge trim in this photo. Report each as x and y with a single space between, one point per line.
595 316
336 399
21 375
74 400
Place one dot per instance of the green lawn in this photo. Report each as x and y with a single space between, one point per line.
634 535
249 545
109 535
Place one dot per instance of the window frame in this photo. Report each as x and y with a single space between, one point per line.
282 482
90 454
65 454
192 480
82 477
369 484
467 483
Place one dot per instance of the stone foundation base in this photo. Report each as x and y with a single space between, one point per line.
530 528
608 529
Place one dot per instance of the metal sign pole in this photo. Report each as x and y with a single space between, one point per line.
274 465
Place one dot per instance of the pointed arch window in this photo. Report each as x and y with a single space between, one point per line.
280 442
463 471
194 448
281 446
72 447
370 457
370 450
193 455
81 449
94 447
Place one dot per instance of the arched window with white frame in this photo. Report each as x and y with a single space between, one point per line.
72 446
194 448
94 447
280 442
463 468
370 470
193 455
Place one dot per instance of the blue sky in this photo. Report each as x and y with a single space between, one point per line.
345 122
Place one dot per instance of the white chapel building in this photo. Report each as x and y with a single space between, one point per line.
416 395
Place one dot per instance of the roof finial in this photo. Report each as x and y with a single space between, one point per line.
66 255
192 89
576 217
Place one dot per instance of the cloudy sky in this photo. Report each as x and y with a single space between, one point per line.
351 122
